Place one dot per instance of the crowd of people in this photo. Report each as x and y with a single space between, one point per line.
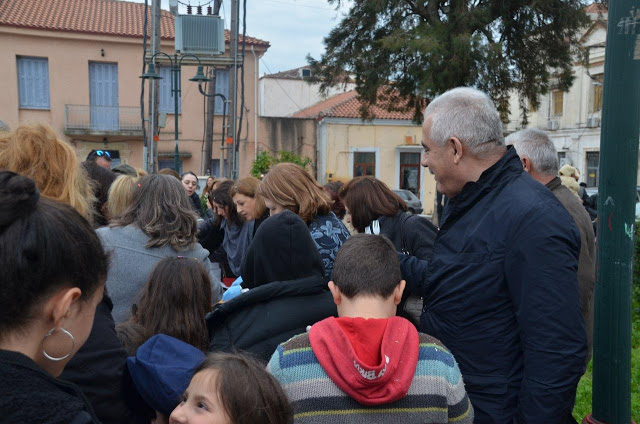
130 298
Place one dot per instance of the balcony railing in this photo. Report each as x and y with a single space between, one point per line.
86 119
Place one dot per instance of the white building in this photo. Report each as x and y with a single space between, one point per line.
285 93
572 119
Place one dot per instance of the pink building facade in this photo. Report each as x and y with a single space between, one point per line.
75 64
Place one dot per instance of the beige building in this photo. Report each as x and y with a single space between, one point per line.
75 64
572 119
387 147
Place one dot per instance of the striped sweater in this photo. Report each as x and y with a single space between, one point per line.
436 394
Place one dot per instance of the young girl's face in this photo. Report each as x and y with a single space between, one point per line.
200 402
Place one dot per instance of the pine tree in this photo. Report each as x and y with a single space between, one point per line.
417 49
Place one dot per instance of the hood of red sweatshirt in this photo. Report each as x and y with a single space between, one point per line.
386 382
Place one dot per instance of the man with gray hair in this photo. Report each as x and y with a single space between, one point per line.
540 159
501 289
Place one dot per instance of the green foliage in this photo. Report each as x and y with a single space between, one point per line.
266 160
417 49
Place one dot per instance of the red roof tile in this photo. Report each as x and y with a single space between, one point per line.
347 105
106 17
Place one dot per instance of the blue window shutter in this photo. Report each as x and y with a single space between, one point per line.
222 87
165 96
33 82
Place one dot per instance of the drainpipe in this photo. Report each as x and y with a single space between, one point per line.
255 106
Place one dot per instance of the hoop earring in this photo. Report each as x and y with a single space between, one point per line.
61 358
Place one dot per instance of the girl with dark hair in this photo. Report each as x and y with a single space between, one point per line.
159 223
237 236
232 389
190 184
101 180
373 208
53 272
175 301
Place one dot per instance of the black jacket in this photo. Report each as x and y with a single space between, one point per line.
259 320
501 292
288 292
28 394
98 366
282 250
197 204
417 232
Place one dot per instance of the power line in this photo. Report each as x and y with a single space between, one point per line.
278 82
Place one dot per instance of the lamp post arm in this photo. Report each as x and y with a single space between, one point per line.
189 55
161 54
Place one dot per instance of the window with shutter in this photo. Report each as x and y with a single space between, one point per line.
165 95
33 82
222 87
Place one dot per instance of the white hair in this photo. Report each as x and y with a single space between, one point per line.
470 116
536 145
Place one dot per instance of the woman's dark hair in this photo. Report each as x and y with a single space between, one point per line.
222 196
44 246
367 199
169 171
175 301
162 210
188 173
132 335
248 393
101 180
333 188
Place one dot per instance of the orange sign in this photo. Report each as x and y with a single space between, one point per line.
156 137
229 140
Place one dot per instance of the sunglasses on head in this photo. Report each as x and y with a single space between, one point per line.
103 153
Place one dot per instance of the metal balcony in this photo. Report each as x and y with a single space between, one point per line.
102 120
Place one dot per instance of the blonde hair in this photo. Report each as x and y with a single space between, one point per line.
36 152
248 186
120 195
141 172
290 186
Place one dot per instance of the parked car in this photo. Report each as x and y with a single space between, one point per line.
413 203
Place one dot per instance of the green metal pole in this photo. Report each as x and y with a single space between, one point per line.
616 215
176 97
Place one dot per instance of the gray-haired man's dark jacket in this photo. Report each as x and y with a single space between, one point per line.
587 258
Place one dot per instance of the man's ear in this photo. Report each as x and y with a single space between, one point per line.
397 292
526 164
456 145
335 292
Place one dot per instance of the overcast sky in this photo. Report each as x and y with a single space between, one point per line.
294 28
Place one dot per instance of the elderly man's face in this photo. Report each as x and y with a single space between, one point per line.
440 161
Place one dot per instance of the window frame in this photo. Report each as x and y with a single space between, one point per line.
376 164
554 112
47 83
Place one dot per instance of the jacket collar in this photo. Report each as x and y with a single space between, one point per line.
554 184
504 170
301 287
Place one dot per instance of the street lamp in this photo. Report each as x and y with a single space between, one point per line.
176 63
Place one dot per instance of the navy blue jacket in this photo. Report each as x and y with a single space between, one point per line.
501 292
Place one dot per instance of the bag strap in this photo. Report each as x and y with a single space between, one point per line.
405 248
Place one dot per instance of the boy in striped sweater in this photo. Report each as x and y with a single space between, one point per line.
369 366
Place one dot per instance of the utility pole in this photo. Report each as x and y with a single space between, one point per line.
616 216
153 89
208 133
233 88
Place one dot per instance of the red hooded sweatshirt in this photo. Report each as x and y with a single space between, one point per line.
371 360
